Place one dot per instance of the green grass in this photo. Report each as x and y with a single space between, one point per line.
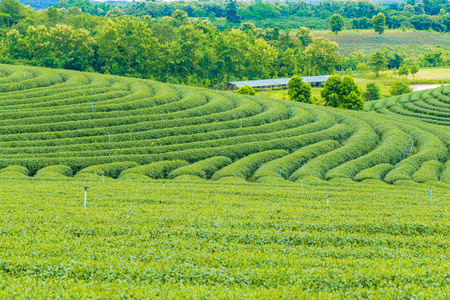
384 81
223 240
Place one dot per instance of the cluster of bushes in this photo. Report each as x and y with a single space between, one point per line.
429 147
245 167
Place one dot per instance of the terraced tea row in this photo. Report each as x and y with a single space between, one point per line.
56 123
432 106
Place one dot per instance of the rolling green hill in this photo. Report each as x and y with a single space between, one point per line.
432 106
56 123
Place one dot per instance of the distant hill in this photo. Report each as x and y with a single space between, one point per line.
39 4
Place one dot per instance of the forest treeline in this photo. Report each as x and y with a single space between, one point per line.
175 49
423 15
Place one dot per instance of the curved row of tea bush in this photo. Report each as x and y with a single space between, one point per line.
431 106
61 124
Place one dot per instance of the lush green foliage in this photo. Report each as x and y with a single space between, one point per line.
336 23
156 170
246 90
378 62
379 23
372 92
299 90
58 124
203 240
342 93
400 88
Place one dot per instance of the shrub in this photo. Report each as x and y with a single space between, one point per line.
157 170
430 170
111 170
293 161
246 166
204 168
377 172
16 168
60 169
446 172
246 90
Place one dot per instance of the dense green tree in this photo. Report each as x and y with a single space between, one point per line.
12 11
433 58
261 57
336 23
414 69
321 55
304 36
246 90
403 71
372 92
379 23
342 93
299 90
377 62
232 12
399 88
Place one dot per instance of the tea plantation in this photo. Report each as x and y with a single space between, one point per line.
432 106
55 124
194 193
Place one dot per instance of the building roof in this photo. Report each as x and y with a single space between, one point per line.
278 81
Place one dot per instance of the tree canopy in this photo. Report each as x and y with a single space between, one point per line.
377 62
342 93
379 23
299 90
336 23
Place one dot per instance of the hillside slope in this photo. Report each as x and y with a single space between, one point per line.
138 129
432 106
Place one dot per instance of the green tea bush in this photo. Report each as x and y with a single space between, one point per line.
13 175
204 168
290 163
446 172
16 168
61 169
134 177
430 170
393 146
430 147
157 170
246 166
361 142
377 172
111 170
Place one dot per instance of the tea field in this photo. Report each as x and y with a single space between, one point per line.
226 240
412 43
431 106
56 124
195 193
